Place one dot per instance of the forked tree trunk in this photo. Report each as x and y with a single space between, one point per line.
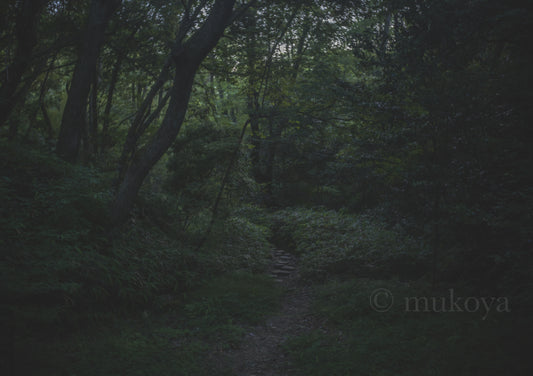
187 58
73 122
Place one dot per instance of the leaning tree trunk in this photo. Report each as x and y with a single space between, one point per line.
169 129
26 36
73 121
187 58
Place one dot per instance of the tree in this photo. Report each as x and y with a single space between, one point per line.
27 20
73 123
282 48
186 57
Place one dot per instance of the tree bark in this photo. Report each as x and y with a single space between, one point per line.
105 141
21 95
134 133
42 106
109 103
26 35
187 58
73 122
300 48
255 82
92 148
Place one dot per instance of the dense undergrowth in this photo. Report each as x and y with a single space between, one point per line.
362 341
333 243
79 299
359 265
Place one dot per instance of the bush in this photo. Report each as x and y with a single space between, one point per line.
62 271
330 242
357 340
238 297
238 243
58 263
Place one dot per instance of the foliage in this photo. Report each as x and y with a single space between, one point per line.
233 298
200 158
52 227
330 242
386 139
61 270
238 243
177 342
134 346
361 341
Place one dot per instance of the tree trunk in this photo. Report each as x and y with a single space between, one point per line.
187 59
26 35
42 106
105 142
136 126
92 147
21 96
253 107
73 122
300 48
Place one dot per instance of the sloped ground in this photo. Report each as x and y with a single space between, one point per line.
262 352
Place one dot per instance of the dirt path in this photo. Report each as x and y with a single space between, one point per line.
262 353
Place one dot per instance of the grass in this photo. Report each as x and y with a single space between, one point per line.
337 250
175 341
129 347
361 341
239 297
332 243
76 302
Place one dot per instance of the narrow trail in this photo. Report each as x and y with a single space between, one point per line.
262 352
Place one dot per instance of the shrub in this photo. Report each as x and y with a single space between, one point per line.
357 340
238 243
330 242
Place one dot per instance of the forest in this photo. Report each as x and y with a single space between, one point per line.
266 187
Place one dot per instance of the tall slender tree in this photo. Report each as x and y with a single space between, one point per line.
26 39
73 122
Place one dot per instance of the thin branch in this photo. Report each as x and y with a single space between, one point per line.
149 119
225 179
238 13
264 79
187 22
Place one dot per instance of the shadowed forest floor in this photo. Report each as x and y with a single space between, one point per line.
149 304
262 351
